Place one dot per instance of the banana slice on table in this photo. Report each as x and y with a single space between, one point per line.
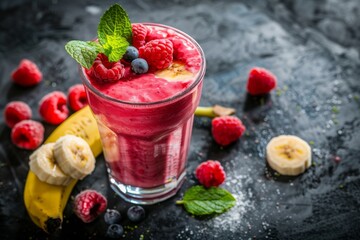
43 164
74 156
288 155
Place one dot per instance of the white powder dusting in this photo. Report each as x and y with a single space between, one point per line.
232 219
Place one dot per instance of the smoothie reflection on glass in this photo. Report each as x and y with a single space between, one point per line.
145 120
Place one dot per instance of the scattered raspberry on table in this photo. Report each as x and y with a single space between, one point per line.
15 112
89 204
210 173
227 129
27 134
260 81
77 97
27 74
53 108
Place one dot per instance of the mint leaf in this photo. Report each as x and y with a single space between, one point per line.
115 47
201 201
84 52
115 22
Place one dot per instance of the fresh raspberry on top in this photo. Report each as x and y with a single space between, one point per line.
154 34
158 53
210 173
53 107
139 32
105 71
260 81
77 97
15 112
89 204
27 74
27 134
227 129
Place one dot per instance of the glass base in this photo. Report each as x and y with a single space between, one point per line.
147 196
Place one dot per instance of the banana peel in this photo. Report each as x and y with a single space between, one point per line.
45 202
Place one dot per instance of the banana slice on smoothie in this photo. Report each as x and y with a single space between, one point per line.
175 72
288 155
43 164
74 156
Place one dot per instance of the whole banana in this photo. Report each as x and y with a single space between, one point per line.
46 202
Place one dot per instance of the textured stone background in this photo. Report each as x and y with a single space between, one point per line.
312 46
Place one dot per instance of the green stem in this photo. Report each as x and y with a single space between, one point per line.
205 112
180 202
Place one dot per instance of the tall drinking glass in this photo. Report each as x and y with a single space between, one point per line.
145 145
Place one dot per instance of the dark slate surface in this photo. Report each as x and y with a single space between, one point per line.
312 46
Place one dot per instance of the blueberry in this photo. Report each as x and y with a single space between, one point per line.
131 54
139 66
136 213
115 231
112 216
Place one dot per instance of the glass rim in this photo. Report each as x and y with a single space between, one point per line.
199 77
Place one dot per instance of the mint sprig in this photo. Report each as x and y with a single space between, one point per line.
114 35
84 52
202 201
115 22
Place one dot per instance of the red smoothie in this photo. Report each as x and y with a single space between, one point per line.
145 120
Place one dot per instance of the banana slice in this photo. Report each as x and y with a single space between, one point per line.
175 72
74 156
288 155
42 163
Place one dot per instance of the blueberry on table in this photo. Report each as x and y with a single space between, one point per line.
139 66
114 231
136 213
131 54
112 216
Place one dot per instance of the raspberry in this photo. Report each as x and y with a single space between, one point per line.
139 32
77 97
186 52
15 112
158 53
226 130
154 34
210 173
53 108
27 74
27 134
106 71
260 81
89 204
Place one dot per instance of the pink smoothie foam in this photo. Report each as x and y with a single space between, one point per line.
145 120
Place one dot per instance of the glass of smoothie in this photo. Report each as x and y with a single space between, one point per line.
145 120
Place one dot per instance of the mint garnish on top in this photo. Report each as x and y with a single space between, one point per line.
114 35
202 201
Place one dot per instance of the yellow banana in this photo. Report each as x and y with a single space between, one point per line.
45 202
